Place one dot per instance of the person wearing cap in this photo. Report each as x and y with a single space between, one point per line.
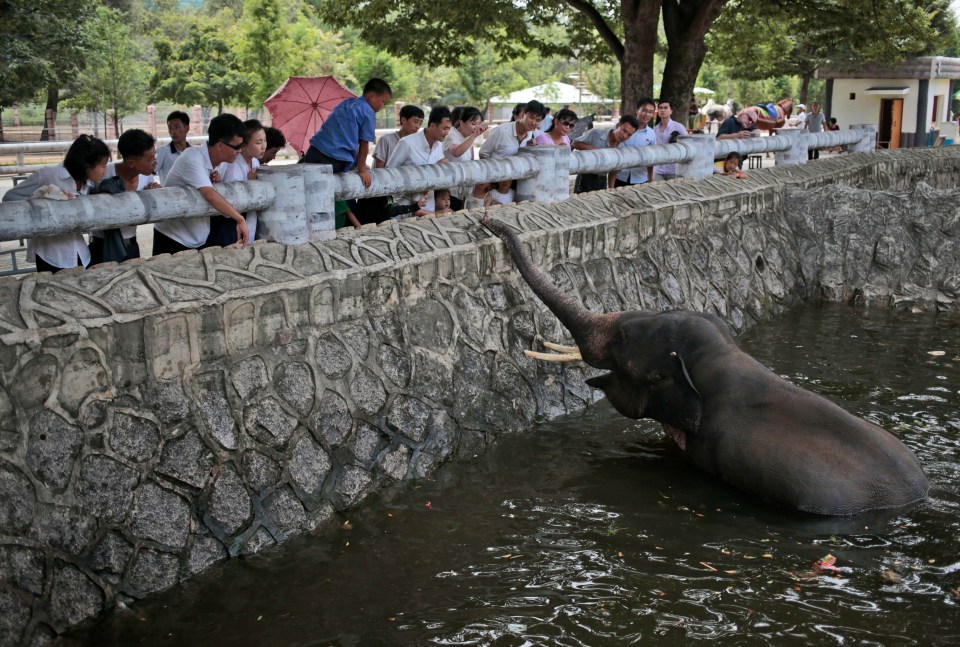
800 121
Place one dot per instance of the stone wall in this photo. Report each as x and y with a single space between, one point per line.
159 416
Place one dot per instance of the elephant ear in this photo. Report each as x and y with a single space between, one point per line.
686 374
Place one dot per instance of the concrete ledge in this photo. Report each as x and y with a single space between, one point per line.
158 417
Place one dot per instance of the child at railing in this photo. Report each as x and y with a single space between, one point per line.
731 166
83 167
502 193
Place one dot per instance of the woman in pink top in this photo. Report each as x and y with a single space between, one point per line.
558 134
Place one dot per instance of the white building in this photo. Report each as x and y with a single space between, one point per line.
902 101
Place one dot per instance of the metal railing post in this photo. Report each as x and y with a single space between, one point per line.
552 181
797 153
700 163
869 140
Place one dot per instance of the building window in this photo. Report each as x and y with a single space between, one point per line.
853 96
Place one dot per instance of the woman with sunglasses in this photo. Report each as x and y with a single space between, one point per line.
558 134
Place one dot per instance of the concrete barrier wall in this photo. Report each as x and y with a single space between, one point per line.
159 416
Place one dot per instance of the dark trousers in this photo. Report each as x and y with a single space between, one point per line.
96 249
43 266
223 232
166 245
314 156
813 154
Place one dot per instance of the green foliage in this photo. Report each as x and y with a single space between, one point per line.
115 80
757 39
203 69
265 49
481 77
44 44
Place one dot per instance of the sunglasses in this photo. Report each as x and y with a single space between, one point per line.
569 124
237 147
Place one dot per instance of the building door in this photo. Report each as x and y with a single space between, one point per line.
891 118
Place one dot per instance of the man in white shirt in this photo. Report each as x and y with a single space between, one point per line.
646 109
422 149
135 172
506 139
178 126
194 168
411 119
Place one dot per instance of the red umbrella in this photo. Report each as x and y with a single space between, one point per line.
299 106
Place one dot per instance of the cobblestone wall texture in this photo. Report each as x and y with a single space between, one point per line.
157 417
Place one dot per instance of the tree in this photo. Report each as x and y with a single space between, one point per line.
758 41
44 45
116 80
203 69
266 50
627 30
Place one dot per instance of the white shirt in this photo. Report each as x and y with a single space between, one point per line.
501 198
638 174
502 142
166 156
385 146
453 139
413 150
239 171
129 231
192 168
60 251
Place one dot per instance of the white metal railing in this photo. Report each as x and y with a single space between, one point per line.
23 148
295 201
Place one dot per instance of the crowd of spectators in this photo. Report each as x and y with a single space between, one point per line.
236 149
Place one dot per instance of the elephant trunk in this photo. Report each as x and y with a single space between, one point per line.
591 331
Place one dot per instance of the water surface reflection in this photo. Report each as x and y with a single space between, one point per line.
594 531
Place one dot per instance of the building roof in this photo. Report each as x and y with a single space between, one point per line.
924 67
553 92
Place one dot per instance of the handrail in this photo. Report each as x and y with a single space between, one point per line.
296 201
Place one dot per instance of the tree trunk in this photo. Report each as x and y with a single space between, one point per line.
640 20
686 24
53 99
805 85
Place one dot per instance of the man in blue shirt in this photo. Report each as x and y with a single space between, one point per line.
344 138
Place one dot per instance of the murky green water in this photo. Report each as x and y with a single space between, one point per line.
594 531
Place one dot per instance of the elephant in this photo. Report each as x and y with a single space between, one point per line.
730 415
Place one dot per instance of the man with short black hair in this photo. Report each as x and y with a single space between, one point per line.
195 168
644 136
506 139
134 172
411 119
667 131
343 140
421 149
178 127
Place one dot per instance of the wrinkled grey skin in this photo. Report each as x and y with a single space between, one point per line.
730 415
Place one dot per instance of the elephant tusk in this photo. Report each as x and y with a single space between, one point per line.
561 349
554 357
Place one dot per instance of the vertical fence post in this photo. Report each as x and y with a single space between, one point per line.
797 153
869 140
152 120
303 209
700 163
552 181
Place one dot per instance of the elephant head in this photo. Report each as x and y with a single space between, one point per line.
729 414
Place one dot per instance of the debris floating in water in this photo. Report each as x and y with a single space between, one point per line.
936 353
826 565
428 505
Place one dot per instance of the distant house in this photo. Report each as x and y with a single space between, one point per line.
554 94
903 101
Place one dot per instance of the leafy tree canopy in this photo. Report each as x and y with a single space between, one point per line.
44 45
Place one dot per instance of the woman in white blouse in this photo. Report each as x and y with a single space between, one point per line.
83 167
458 146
